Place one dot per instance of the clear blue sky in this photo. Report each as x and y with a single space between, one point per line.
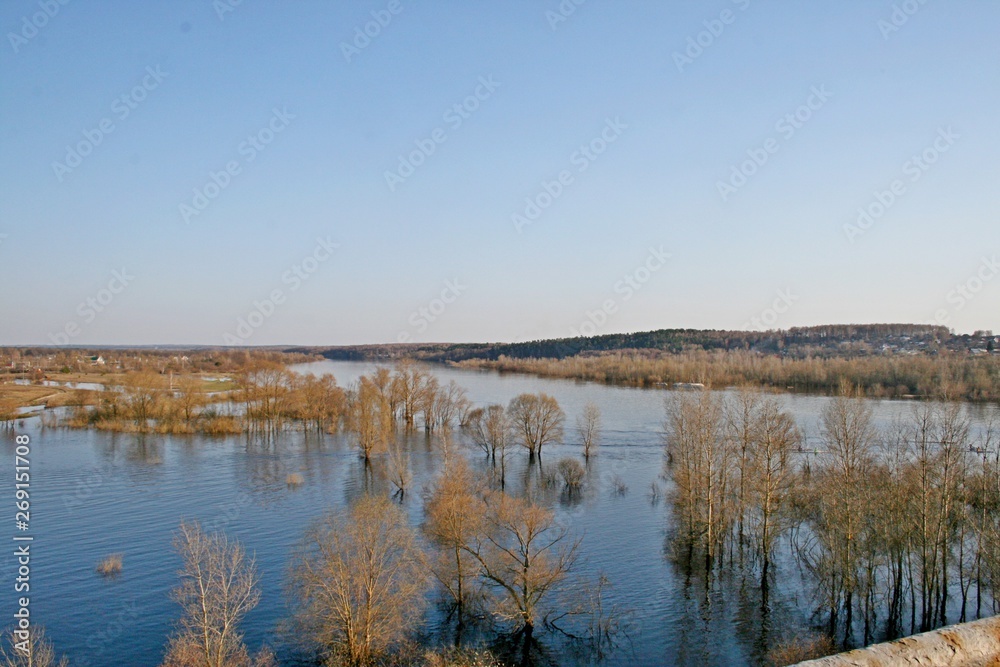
198 81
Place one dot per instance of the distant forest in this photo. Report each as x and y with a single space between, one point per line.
881 359
837 340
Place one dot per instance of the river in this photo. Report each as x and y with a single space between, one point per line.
96 493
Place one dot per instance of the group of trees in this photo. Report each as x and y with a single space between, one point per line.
897 529
378 410
386 402
974 378
531 421
800 342
905 523
269 393
361 580
58 362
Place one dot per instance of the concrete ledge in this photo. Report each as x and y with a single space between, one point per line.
975 644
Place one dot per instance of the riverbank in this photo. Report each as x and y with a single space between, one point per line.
954 377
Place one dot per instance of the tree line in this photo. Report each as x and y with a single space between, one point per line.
897 530
975 378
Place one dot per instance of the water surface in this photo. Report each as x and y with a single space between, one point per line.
97 493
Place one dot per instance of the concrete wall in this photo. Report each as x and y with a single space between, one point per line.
975 644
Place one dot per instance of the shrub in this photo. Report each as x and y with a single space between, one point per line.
110 566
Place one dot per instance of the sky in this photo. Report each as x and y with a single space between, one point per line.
324 173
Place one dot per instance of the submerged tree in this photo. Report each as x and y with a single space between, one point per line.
572 472
538 421
699 456
264 386
843 518
409 388
359 581
398 468
524 555
370 417
768 488
219 586
455 520
588 426
492 430
319 402
742 415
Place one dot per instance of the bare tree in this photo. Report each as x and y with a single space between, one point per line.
699 457
429 402
538 421
264 386
370 417
455 518
843 506
524 556
142 393
769 486
398 467
359 581
588 425
191 396
742 415
383 380
451 405
572 472
492 430
321 402
29 648
409 385
219 586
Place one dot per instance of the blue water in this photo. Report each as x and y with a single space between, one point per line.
96 493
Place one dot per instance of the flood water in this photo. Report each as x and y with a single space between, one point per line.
97 493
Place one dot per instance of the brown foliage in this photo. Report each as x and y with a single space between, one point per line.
359 581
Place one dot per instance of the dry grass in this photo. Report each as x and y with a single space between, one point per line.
27 394
110 565
294 479
221 425
800 649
